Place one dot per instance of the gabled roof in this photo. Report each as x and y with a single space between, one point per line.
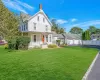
95 35
28 17
41 11
72 36
60 36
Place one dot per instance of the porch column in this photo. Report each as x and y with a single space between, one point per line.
40 38
31 37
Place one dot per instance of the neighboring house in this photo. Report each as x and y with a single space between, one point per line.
58 37
67 38
38 28
95 37
72 39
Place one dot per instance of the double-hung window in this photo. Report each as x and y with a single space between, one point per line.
34 26
46 28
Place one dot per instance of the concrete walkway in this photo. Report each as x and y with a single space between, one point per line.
95 71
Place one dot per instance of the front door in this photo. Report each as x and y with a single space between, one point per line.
43 38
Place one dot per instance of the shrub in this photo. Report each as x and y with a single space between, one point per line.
58 42
22 42
52 46
63 45
12 43
18 43
6 46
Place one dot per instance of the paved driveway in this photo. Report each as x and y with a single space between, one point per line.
95 73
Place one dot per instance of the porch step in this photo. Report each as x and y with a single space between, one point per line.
44 46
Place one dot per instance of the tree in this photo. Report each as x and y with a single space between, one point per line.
92 29
83 36
97 31
56 27
8 23
86 35
76 30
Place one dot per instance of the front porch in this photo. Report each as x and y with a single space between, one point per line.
40 40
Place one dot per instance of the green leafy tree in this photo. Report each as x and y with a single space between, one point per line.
97 31
8 23
76 30
92 29
56 27
86 35
83 36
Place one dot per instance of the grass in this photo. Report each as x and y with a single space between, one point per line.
68 63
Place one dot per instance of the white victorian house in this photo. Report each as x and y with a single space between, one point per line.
37 27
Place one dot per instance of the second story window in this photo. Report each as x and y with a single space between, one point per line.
43 19
34 26
46 28
38 18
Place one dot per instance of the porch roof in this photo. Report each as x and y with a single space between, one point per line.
38 32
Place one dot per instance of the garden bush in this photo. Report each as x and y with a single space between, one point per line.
12 43
6 46
18 43
22 42
52 46
63 45
58 42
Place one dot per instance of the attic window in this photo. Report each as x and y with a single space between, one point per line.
46 27
38 18
43 19
34 26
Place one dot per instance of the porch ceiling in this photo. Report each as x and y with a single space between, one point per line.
40 32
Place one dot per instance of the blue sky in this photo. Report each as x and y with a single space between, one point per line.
69 13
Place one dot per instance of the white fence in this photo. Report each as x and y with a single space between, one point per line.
85 42
91 42
74 42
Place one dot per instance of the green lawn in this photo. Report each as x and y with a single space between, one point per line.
68 63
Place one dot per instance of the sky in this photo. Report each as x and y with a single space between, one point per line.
68 13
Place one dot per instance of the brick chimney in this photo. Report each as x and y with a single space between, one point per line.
40 6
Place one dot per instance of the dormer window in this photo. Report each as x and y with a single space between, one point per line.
43 19
34 26
38 18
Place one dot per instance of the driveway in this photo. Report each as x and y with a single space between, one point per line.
95 72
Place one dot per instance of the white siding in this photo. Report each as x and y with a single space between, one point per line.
40 25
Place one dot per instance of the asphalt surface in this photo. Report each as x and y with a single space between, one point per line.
95 73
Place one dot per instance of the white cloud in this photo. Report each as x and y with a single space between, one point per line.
83 25
17 5
61 21
73 20
88 23
24 4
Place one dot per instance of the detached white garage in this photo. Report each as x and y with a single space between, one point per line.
72 39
